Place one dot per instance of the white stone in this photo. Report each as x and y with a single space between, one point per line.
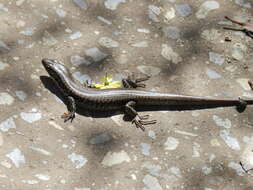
140 44
206 170
171 143
153 169
151 134
171 32
183 9
16 157
7 124
238 51
170 14
113 4
43 177
82 188
75 35
151 183
212 74
104 20
153 12
20 2
211 35
21 95
55 125
185 133
196 150
78 160
230 140
216 58
143 30
61 12
145 149
226 123
3 66
6 99
40 150
115 158
81 3
31 116
168 53
175 171
206 7
30 182
149 70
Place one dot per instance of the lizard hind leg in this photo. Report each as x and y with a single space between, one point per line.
138 120
242 104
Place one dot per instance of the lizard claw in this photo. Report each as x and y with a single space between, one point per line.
139 123
68 116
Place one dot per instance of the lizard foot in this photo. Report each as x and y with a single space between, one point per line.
131 82
68 116
139 121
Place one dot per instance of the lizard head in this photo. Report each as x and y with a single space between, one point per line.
54 68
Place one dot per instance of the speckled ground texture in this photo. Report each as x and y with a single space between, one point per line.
181 44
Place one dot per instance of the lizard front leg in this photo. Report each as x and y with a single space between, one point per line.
70 115
137 119
131 82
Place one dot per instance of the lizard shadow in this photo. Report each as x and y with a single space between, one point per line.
53 88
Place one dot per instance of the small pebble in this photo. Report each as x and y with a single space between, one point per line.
104 20
231 141
75 35
149 70
183 9
115 158
81 3
78 160
216 58
6 99
16 157
212 74
113 4
140 44
171 143
206 7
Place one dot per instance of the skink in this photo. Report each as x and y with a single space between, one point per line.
124 99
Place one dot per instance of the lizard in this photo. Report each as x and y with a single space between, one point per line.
127 100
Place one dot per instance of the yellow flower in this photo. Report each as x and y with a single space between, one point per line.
107 83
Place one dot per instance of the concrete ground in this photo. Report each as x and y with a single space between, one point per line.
182 44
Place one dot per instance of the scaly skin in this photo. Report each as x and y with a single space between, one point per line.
123 99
